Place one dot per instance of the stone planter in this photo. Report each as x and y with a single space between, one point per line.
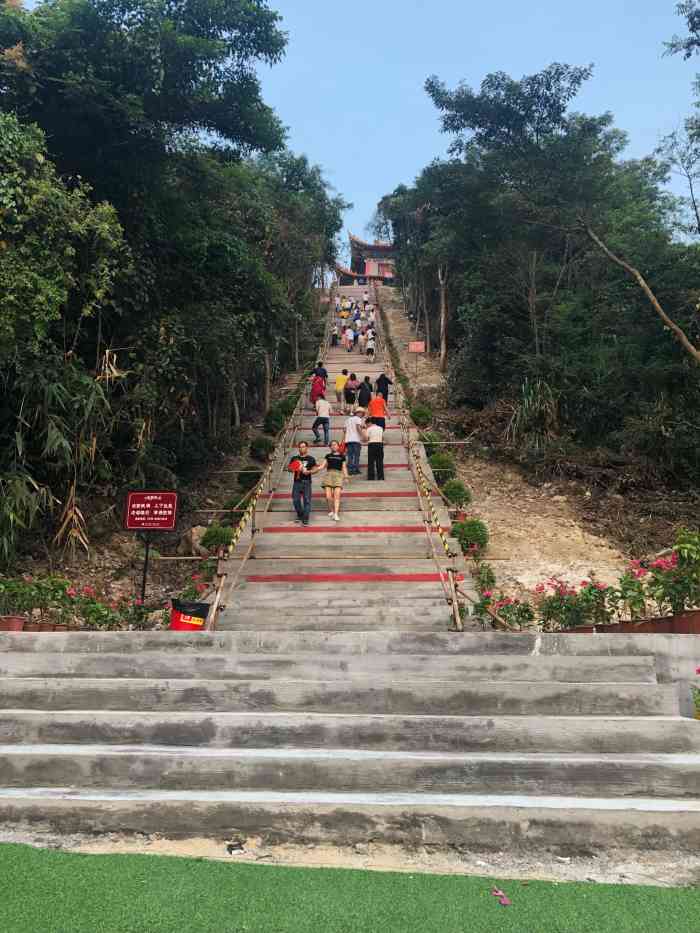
12 623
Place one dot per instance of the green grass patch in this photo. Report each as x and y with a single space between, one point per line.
58 892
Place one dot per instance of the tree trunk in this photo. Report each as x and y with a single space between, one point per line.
236 410
268 383
442 279
426 318
678 333
532 301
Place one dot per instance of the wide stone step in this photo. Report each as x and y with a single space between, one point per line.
320 544
394 455
401 641
482 822
229 622
369 695
408 518
606 735
256 616
306 666
338 432
381 506
184 768
329 570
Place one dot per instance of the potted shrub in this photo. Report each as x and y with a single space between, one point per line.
421 415
13 607
443 466
473 536
457 495
262 448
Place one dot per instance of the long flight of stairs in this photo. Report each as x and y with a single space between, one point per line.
333 704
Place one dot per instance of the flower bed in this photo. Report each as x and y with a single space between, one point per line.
652 596
53 603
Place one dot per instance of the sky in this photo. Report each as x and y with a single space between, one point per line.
350 88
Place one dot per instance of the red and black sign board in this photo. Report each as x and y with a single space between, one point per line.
187 616
150 511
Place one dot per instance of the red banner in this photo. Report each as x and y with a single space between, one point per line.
150 511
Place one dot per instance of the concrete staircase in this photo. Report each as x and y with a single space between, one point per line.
333 704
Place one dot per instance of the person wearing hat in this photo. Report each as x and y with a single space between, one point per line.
304 466
353 440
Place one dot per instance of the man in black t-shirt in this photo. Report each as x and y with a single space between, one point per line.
301 487
321 371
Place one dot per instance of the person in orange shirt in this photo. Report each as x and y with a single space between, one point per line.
377 410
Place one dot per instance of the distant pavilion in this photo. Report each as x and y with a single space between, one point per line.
369 263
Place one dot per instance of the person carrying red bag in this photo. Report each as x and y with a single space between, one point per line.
303 465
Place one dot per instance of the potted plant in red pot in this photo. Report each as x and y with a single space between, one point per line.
13 606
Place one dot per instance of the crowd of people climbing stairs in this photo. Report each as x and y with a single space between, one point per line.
364 403
356 327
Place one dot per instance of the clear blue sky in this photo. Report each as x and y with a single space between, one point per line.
351 86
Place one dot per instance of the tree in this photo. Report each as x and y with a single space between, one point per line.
156 315
58 261
556 245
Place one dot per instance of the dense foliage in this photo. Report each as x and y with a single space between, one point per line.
158 246
510 255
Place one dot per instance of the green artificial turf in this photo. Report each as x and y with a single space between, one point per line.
45 891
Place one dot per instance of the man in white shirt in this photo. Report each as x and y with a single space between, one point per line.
353 440
375 450
323 420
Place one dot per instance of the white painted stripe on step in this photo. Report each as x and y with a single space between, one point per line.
455 801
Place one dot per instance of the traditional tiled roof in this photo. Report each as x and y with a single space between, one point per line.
383 247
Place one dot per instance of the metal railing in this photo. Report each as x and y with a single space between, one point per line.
431 519
270 479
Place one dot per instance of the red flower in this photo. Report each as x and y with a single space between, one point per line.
201 587
88 590
71 591
196 576
697 670
487 594
539 588
138 601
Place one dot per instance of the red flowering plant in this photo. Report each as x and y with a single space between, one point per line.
199 582
514 612
561 605
629 598
673 581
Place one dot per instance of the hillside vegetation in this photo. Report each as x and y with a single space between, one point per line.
557 281
159 249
